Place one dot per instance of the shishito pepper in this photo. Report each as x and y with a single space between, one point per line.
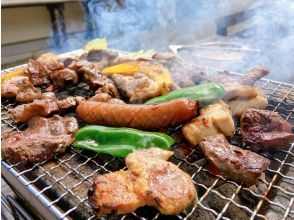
204 93
119 141
153 70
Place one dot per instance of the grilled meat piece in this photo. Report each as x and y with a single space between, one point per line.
37 72
239 106
241 165
240 93
41 140
265 130
145 117
50 60
21 88
105 97
140 87
248 79
90 73
45 106
69 102
150 180
62 77
215 118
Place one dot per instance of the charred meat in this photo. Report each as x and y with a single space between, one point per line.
140 116
21 88
265 130
37 72
90 72
60 78
215 118
45 106
150 180
140 87
41 140
241 165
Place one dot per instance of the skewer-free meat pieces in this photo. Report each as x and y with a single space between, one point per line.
140 87
145 117
215 118
37 72
150 180
265 130
241 165
21 88
61 77
240 93
41 140
45 106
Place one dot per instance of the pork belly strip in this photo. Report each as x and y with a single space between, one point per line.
145 117
149 180
41 140
240 165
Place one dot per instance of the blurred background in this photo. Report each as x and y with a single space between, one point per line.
228 34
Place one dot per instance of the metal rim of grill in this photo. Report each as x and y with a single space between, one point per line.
52 192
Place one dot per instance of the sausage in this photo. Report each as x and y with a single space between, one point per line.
141 116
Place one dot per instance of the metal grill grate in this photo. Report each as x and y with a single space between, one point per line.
62 182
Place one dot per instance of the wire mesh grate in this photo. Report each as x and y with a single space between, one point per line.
66 178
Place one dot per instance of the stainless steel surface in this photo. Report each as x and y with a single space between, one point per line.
58 187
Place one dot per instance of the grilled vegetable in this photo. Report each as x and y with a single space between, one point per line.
119 141
155 71
204 93
12 74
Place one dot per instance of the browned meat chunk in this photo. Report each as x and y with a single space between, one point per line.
248 79
241 165
69 102
105 97
215 118
50 60
24 113
140 87
45 106
37 72
62 77
21 88
41 140
265 130
149 180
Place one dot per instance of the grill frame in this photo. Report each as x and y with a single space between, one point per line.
277 92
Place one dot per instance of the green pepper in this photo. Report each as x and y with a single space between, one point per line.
205 93
119 141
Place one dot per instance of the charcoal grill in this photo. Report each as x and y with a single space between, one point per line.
57 188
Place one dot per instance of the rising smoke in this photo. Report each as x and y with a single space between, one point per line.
149 24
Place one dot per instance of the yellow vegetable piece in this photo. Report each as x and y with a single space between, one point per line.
155 71
11 74
96 44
